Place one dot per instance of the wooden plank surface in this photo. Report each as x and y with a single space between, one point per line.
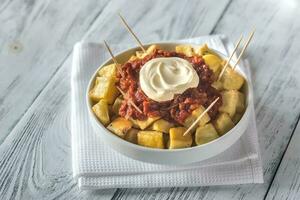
273 56
35 160
35 38
286 184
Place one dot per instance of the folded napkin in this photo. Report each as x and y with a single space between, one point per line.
97 166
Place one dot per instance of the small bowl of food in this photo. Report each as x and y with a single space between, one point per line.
152 106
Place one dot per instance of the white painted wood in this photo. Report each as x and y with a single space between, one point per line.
35 161
286 184
35 38
274 57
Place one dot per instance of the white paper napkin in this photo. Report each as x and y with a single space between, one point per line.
97 166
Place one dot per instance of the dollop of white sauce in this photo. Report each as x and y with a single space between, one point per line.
162 78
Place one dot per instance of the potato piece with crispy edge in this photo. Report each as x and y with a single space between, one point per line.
193 117
150 50
162 125
117 104
101 111
108 71
204 50
185 49
214 63
131 135
143 124
223 123
232 80
237 117
120 126
217 85
152 139
177 140
205 134
104 89
232 101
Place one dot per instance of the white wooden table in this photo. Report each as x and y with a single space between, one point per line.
36 40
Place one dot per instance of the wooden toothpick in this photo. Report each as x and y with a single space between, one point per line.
230 57
110 52
244 48
129 100
132 33
200 116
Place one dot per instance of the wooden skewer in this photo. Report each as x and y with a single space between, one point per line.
230 57
244 48
110 52
200 116
129 100
132 33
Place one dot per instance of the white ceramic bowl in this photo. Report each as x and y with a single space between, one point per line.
169 156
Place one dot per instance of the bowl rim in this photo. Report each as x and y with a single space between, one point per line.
143 148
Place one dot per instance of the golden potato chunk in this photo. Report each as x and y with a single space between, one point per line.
101 111
161 125
177 140
108 71
223 123
214 63
237 117
104 89
205 134
204 50
185 49
132 58
152 139
233 101
117 104
143 124
150 50
217 85
120 126
193 117
240 107
131 135
232 80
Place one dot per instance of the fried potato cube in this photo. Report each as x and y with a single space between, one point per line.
214 63
240 107
232 80
185 49
223 123
150 50
132 58
120 126
177 140
205 134
203 50
217 85
161 125
131 135
233 101
143 124
104 89
237 117
117 104
108 71
101 111
193 117
152 139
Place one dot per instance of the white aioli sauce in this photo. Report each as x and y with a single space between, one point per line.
162 78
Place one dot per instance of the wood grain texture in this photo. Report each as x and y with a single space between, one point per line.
35 38
276 86
286 184
35 160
